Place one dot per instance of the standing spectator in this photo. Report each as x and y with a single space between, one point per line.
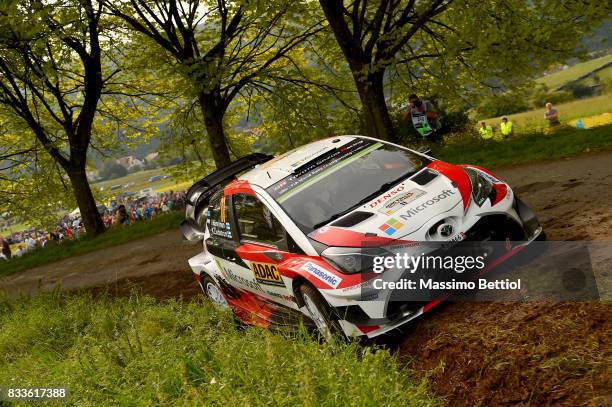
424 117
5 249
30 243
551 115
123 218
506 127
485 131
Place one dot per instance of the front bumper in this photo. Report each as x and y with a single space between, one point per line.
496 227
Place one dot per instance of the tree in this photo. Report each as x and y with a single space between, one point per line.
51 92
452 45
61 79
223 48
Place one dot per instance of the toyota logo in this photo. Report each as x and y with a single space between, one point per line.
446 230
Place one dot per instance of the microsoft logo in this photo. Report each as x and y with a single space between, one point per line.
391 226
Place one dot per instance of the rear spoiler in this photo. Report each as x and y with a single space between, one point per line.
204 188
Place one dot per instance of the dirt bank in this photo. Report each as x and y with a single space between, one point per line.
530 353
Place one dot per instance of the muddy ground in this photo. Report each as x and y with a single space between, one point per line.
533 353
530 353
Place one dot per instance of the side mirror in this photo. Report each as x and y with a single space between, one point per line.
191 231
425 150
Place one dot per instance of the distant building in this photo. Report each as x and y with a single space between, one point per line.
130 162
92 176
154 156
253 132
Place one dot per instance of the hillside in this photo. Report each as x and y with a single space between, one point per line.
558 79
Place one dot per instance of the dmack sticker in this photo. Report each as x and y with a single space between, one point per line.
387 195
323 275
392 206
266 273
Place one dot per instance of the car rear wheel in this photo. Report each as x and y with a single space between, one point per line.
320 312
213 292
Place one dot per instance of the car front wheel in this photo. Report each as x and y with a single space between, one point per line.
213 292
320 312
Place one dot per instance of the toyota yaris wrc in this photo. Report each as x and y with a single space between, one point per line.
298 234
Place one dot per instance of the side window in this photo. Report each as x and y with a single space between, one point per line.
218 219
256 222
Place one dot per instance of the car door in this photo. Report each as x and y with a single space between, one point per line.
261 245
220 233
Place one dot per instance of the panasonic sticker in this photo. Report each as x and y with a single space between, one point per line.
323 275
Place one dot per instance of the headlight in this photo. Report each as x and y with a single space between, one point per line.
351 260
481 187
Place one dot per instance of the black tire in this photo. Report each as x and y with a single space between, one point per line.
322 314
213 292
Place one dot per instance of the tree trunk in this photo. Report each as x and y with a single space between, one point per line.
213 120
377 120
85 199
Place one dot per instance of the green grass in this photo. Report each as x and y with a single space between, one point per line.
112 237
140 180
560 78
135 351
604 75
526 149
534 120
17 227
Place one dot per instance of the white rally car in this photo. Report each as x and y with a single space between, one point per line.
296 234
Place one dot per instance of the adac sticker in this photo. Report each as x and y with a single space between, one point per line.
266 273
328 278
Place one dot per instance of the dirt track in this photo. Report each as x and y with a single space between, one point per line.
474 353
158 264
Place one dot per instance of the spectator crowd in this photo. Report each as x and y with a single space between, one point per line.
120 212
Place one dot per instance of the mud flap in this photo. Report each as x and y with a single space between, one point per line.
529 218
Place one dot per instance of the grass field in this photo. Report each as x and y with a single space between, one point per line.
141 181
526 149
557 79
17 227
135 351
603 75
112 237
527 122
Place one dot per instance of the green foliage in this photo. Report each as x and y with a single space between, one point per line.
112 170
514 101
541 96
138 352
580 90
61 93
114 237
480 47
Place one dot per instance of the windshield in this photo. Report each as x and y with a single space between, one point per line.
319 191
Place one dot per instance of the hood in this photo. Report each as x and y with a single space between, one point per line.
401 212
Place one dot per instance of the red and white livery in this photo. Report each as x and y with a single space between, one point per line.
294 235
